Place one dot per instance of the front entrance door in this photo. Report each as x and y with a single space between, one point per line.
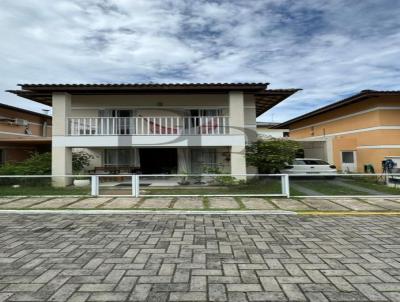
349 162
158 160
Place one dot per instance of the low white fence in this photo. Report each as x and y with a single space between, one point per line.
162 185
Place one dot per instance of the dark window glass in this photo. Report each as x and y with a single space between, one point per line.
348 157
315 162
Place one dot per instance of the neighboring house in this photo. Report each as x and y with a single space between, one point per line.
155 128
266 130
22 132
357 131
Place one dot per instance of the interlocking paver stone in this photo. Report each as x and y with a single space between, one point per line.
223 203
147 257
257 203
122 203
189 203
289 204
156 202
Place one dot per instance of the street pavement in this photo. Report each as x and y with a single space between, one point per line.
151 257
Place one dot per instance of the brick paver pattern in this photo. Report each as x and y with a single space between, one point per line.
140 257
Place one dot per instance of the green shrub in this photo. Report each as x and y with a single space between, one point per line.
37 164
270 156
80 160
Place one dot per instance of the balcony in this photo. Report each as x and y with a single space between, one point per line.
165 125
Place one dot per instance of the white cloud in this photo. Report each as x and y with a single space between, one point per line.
329 48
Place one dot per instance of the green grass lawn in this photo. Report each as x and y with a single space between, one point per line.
42 190
371 183
329 187
325 188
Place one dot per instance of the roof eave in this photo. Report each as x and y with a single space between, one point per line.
364 94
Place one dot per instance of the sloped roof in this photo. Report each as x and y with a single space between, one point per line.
362 95
6 106
265 99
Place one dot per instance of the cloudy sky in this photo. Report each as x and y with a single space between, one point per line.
329 48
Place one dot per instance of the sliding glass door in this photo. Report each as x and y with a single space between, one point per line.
122 157
123 125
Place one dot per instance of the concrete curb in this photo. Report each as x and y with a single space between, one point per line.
349 213
158 212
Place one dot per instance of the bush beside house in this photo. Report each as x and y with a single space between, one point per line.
270 156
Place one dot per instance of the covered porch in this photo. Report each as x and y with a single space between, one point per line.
160 160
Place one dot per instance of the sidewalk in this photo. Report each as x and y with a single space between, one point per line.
337 204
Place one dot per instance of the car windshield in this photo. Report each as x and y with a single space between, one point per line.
309 162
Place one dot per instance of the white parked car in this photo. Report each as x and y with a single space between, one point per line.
309 166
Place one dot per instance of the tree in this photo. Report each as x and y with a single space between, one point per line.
80 160
270 156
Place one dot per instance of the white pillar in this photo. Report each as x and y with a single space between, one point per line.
236 124
61 157
238 160
329 150
61 103
236 112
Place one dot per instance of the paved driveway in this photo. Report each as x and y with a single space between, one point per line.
198 258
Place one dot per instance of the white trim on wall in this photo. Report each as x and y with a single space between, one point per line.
354 131
23 134
148 141
349 115
380 147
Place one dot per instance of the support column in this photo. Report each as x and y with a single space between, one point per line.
61 164
236 124
329 150
238 161
236 112
61 156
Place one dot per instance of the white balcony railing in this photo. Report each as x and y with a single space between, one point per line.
192 125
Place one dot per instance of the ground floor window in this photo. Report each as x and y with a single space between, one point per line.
122 157
204 159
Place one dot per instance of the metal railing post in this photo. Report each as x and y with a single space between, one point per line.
137 185
95 185
285 185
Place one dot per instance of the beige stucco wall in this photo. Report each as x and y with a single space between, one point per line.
144 100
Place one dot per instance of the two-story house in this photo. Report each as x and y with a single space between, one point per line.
355 133
23 132
154 128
